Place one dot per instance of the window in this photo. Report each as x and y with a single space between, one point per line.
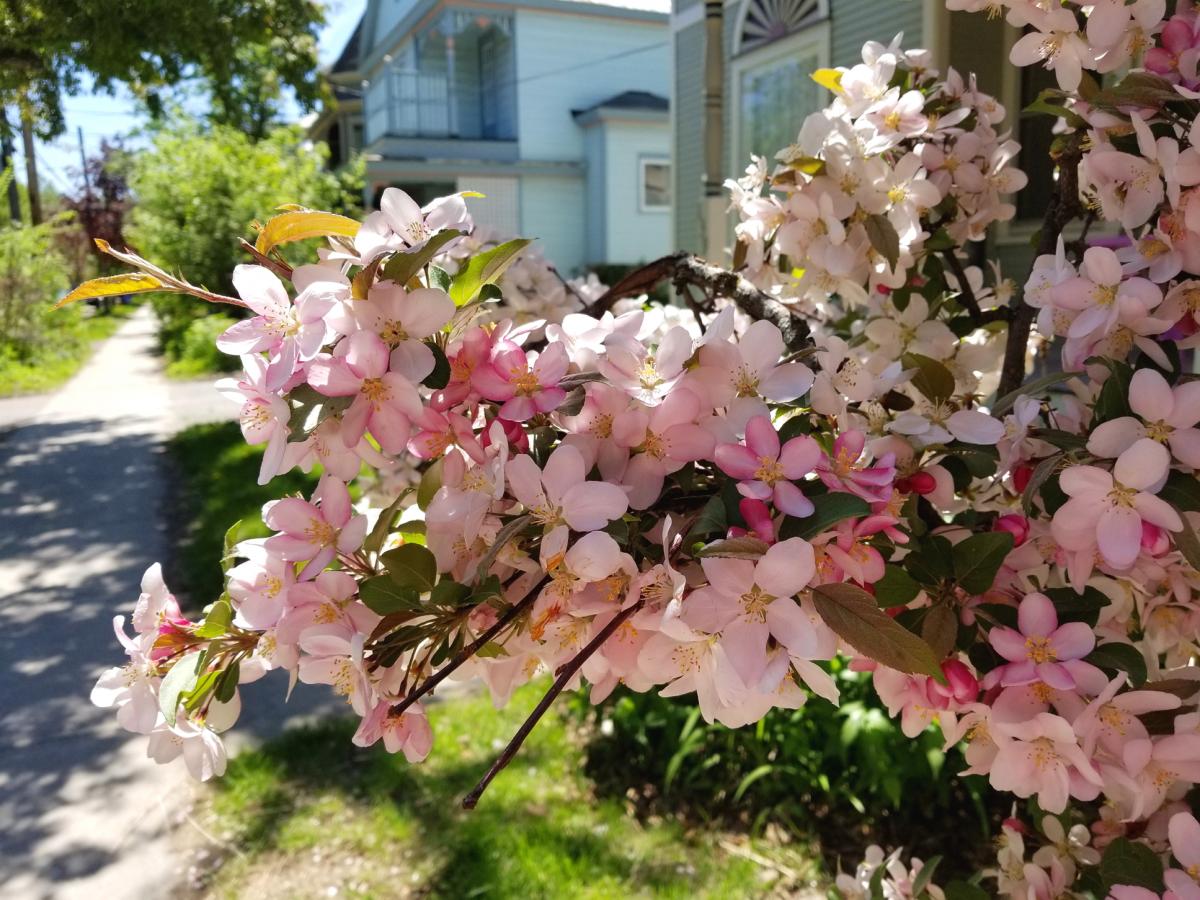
773 92
655 195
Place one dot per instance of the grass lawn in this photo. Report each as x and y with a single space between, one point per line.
216 479
310 815
56 364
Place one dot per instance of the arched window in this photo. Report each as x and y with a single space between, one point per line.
778 45
764 21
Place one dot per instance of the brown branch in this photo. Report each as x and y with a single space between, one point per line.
966 296
565 674
684 269
462 655
1062 209
280 268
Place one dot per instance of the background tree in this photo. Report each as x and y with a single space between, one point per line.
199 187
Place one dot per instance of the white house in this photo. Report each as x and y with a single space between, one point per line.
556 110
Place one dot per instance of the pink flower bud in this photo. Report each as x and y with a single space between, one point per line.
922 483
1021 475
1154 539
1016 525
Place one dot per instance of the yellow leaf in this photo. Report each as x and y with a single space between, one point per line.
301 225
111 285
471 194
828 78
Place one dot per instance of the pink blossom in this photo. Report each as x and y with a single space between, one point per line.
260 586
407 732
1162 413
1184 833
560 494
263 416
1103 297
293 333
1106 510
439 431
663 439
1042 757
766 471
403 319
385 403
402 223
748 602
750 369
525 383
315 531
1040 649
844 469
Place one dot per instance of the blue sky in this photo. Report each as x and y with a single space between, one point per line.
101 116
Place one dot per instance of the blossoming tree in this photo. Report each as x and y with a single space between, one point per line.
831 447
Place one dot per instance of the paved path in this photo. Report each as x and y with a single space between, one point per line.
83 813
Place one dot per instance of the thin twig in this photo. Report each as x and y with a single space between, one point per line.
565 674
685 269
462 656
280 268
966 296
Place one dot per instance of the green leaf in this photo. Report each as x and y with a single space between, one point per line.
411 566
1137 89
449 593
932 379
939 629
439 278
978 558
1182 492
407 263
110 286
883 237
228 555
757 773
1045 469
1187 542
855 617
177 682
925 876
1073 607
963 890
227 683
440 376
507 532
1113 400
931 561
217 622
383 595
896 587
1029 389
1117 657
430 484
737 548
712 520
1045 105
1126 862
383 525
830 509
485 268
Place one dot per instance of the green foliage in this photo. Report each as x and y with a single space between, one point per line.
199 189
306 812
216 477
242 54
845 774
197 352
41 347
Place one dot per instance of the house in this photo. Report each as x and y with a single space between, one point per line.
747 89
556 110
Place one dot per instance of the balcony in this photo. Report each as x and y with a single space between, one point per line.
455 82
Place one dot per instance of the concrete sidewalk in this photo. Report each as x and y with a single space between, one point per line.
83 813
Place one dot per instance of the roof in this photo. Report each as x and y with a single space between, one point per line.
639 100
347 60
657 6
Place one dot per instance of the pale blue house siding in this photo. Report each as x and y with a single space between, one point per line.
596 224
687 112
854 22
633 234
567 62
552 209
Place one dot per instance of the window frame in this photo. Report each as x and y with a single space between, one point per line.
643 163
815 37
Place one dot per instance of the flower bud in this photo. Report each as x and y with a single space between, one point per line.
1016 525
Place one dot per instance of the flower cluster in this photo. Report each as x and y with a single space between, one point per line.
702 501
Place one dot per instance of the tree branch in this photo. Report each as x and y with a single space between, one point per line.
565 674
463 655
966 295
684 269
282 269
1062 208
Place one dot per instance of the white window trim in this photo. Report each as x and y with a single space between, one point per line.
643 161
815 37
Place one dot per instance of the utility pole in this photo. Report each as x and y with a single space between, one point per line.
6 155
31 175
